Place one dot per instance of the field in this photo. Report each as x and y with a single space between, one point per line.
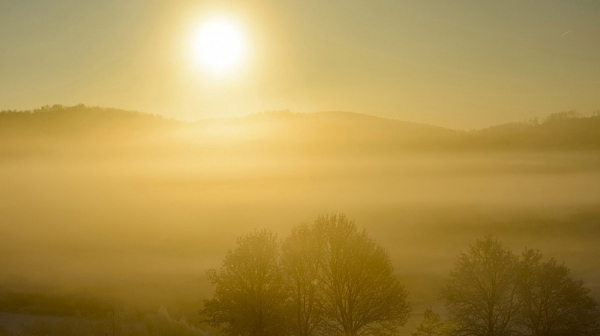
86 227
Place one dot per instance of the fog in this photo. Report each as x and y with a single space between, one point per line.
133 214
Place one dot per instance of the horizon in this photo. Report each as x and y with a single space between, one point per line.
462 65
266 112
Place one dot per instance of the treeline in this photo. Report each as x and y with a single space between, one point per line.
77 122
562 130
329 278
82 131
331 132
76 111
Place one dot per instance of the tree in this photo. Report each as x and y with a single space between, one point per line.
481 293
553 304
249 296
302 268
432 325
336 280
562 116
360 292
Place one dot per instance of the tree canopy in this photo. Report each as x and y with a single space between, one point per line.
250 296
330 279
492 291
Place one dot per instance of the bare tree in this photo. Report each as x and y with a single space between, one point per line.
432 325
301 266
361 294
250 296
481 293
553 304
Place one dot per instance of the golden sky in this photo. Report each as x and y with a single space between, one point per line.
461 64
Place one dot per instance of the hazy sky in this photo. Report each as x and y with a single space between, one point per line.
452 63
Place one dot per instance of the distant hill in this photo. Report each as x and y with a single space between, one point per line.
563 130
321 133
339 131
80 129
58 121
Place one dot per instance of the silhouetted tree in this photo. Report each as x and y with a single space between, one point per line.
302 269
481 294
553 304
361 294
432 325
250 296
562 116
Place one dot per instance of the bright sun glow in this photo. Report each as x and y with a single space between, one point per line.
219 45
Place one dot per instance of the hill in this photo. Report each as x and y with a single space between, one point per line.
61 128
559 131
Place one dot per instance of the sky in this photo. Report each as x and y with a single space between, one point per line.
459 64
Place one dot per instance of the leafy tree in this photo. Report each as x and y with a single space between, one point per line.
361 294
250 296
481 294
432 325
553 304
301 266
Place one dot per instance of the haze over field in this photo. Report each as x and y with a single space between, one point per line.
299 168
102 206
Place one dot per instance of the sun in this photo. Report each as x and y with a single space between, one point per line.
219 45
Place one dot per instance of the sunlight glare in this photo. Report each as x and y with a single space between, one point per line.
219 45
